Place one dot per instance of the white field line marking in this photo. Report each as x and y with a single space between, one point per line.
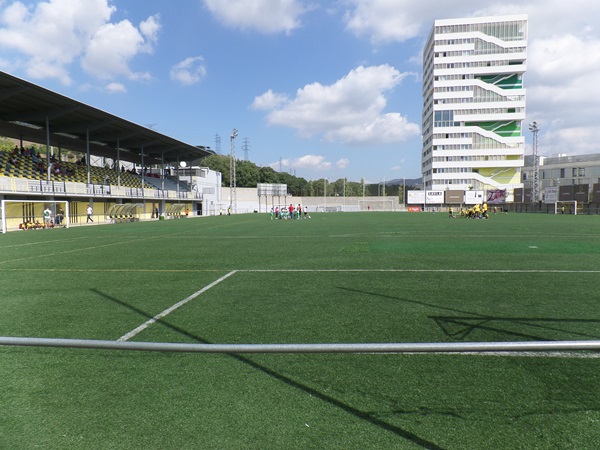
54 241
119 270
566 354
84 270
167 311
425 270
306 270
75 250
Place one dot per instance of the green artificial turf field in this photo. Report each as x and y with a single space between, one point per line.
335 278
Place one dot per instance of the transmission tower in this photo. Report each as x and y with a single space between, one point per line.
232 181
218 144
535 185
246 148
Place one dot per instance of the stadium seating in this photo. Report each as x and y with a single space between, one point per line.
26 168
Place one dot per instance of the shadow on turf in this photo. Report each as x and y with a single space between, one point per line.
295 384
459 328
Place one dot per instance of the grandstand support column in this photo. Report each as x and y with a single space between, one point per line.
177 171
118 162
87 153
143 170
162 174
47 146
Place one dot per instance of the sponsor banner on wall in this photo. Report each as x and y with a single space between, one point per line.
473 197
416 197
581 193
596 193
565 194
496 196
551 194
518 195
434 197
414 209
454 197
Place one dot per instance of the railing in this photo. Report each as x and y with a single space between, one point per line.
369 348
10 185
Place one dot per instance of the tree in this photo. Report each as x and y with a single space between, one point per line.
218 163
247 174
268 175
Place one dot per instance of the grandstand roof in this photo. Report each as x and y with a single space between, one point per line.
26 108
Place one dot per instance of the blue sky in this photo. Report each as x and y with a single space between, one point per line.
317 88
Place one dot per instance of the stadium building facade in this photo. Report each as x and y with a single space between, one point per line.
474 104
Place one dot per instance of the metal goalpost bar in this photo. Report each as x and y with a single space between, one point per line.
428 347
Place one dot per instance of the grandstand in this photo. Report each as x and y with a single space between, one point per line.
47 129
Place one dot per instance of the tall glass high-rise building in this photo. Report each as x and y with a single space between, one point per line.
474 103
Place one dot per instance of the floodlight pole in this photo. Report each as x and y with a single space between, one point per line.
535 187
232 180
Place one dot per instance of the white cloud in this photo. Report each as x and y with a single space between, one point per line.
350 110
269 100
189 71
315 162
50 36
399 166
384 129
264 16
111 49
342 163
385 20
114 88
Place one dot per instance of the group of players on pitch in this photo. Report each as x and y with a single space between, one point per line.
289 212
475 212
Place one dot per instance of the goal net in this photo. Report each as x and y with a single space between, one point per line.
566 207
34 215
377 205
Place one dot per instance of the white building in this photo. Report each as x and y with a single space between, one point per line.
474 104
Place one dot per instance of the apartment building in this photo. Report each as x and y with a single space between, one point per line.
474 104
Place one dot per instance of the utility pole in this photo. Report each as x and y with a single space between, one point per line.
232 181
246 148
535 186
218 144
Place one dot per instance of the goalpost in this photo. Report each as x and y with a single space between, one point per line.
34 214
569 205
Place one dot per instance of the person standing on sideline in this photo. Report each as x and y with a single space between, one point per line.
89 211
47 216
